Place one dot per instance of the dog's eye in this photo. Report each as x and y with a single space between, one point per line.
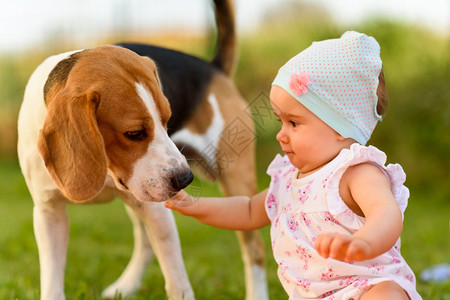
137 135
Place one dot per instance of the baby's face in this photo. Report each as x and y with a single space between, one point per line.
304 138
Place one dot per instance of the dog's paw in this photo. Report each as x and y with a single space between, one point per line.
119 290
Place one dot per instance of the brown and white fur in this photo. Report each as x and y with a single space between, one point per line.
95 123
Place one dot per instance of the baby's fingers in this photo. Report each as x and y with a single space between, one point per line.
176 205
332 245
181 196
358 250
180 202
323 244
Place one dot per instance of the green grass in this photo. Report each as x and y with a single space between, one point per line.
101 244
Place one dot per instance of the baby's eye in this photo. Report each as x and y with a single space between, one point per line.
293 123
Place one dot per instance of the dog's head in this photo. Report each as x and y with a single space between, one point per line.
107 115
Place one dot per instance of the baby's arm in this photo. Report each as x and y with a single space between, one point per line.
365 187
235 213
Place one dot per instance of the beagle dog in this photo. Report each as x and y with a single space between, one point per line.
95 124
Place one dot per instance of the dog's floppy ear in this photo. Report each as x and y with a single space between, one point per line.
72 147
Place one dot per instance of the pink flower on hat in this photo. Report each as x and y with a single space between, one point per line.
298 83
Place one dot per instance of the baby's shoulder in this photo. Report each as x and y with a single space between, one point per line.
363 175
362 172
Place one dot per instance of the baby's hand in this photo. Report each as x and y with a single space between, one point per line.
342 247
182 203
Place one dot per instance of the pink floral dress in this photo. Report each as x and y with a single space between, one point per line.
300 209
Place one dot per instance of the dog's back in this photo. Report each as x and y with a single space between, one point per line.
185 78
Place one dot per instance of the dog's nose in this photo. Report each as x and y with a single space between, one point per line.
181 181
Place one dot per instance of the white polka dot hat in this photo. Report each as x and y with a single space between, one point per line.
337 80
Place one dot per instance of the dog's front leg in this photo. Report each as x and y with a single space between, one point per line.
130 280
51 229
163 235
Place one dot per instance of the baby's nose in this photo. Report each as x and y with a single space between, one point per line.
282 137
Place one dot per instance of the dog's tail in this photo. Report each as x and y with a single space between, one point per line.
226 48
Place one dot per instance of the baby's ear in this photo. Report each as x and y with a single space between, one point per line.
382 95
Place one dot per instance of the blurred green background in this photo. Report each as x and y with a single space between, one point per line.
415 133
